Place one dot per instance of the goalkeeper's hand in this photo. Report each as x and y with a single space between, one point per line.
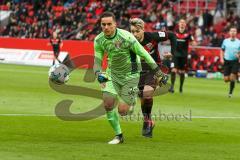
101 77
161 78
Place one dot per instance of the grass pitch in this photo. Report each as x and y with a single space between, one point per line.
209 127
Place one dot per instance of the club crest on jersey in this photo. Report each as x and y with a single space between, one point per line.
118 44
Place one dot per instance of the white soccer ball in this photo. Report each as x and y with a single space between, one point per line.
59 73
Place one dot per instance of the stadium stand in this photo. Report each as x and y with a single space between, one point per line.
77 19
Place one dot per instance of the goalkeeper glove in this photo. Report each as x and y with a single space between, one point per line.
161 77
101 77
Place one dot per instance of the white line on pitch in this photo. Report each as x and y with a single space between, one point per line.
28 115
206 117
23 71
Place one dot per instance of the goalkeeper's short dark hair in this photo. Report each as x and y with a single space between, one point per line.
107 14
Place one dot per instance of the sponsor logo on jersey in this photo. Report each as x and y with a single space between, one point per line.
148 47
162 34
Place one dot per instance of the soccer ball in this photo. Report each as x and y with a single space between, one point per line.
59 73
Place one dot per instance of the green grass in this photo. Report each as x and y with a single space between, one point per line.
38 134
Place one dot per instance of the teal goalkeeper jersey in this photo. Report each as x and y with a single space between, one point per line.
123 55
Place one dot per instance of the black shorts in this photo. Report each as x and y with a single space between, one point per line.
230 67
179 63
146 78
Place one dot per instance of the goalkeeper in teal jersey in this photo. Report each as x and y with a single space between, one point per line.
120 82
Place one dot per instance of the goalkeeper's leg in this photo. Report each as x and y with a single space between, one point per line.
128 96
112 116
110 101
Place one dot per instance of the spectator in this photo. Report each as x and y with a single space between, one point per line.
198 35
135 4
219 7
124 22
216 41
207 19
39 18
153 16
200 20
161 24
170 20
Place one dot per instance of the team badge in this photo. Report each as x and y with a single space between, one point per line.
118 44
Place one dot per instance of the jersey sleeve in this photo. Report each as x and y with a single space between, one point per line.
98 57
159 36
164 36
138 49
173 41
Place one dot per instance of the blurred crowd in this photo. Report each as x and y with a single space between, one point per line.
77 19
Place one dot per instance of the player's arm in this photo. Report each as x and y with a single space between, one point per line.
221 56
222 52
138 49
173 41
164 36
98 58
238 54
49 43
160 36
61 43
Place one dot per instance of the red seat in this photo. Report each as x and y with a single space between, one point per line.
4 7
58 14
91 37
58 8
238 35
91 20
135 11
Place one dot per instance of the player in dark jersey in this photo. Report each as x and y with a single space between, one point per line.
147 84
179 60
57 44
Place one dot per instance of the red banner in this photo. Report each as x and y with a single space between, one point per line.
74 48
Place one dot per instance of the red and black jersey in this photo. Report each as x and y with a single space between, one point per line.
56 44
150 43
182 43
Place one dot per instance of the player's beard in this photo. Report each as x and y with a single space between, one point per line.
109 33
